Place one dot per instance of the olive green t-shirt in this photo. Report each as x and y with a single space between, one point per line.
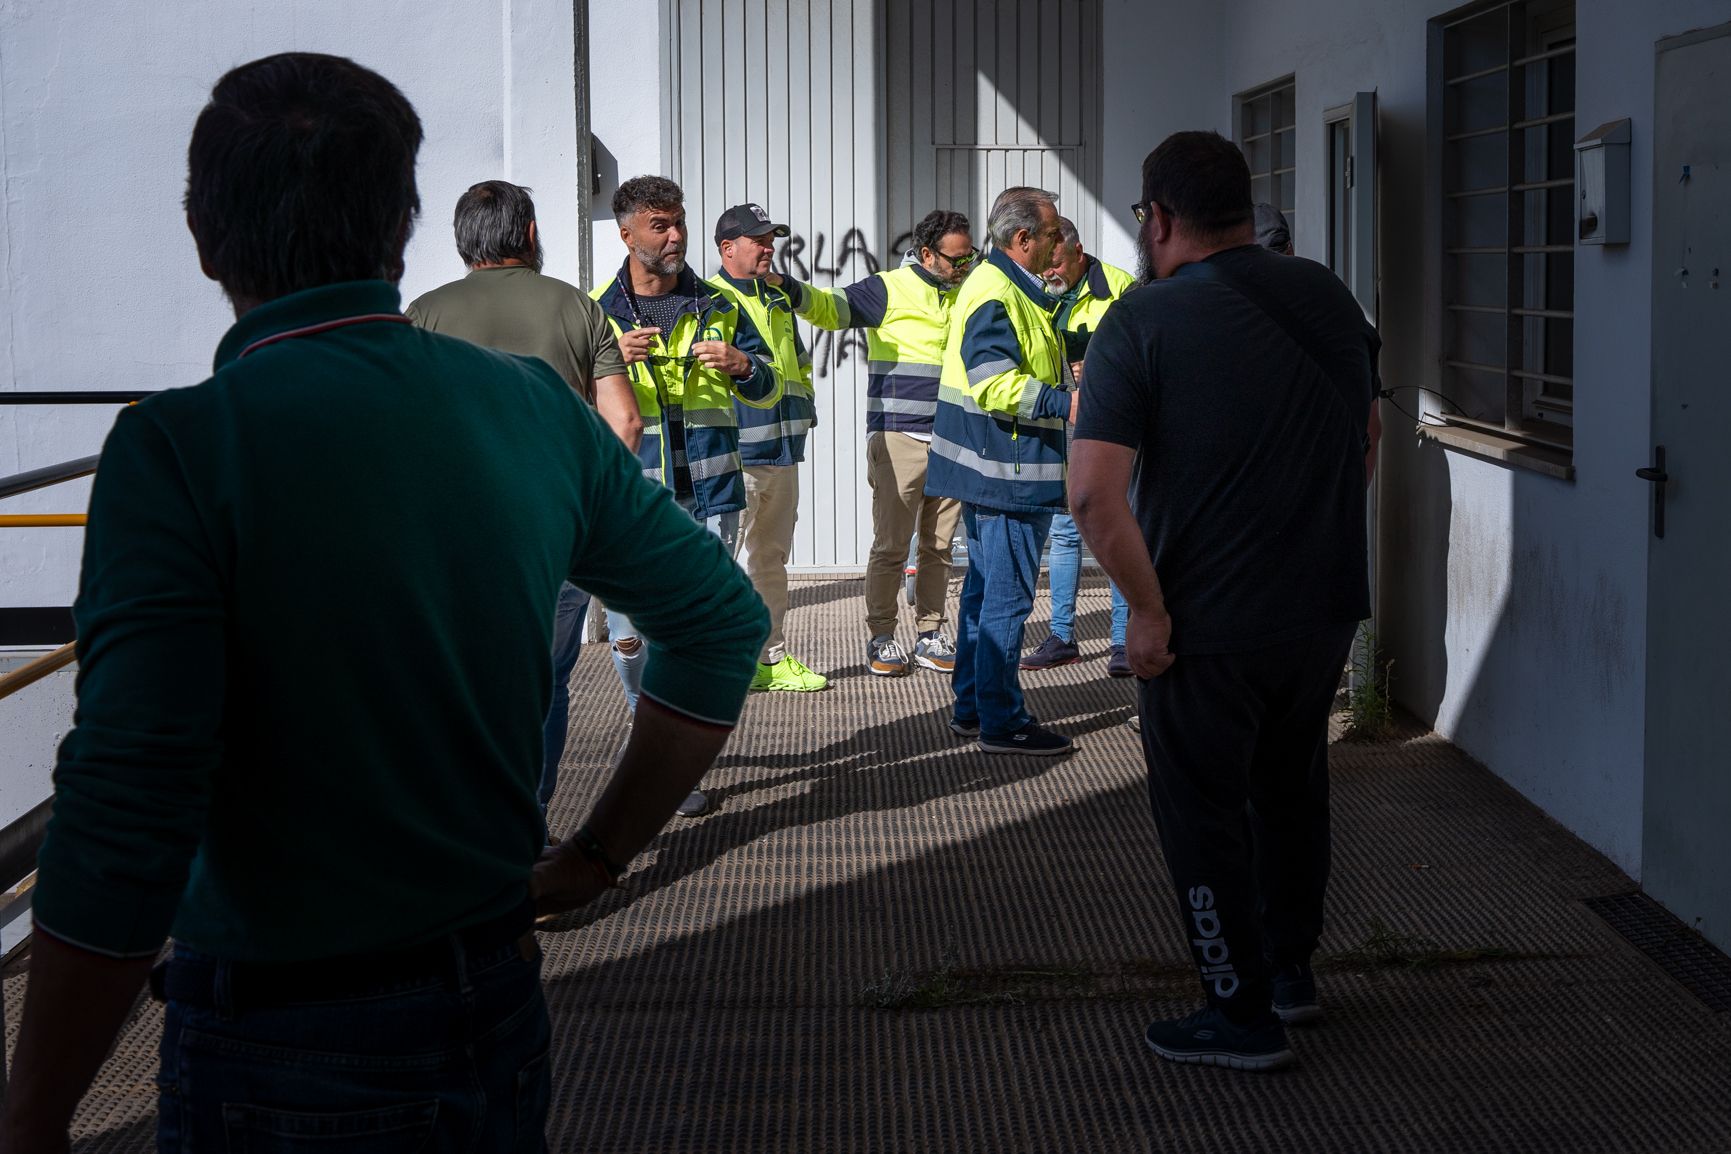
519 310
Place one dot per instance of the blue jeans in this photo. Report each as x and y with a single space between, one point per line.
567 642
441 1063
1064 571
629 666
997 596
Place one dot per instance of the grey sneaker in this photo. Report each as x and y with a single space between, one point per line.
886 657
935 650
964 728
695 805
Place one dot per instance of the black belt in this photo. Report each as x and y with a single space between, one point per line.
194 980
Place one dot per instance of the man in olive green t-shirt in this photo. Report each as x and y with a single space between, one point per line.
506 303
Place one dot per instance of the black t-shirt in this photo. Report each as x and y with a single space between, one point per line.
1249 482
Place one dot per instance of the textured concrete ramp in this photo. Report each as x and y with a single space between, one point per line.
886 941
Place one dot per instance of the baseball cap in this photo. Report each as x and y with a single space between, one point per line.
1272 231
746 220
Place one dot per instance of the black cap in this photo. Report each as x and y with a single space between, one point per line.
1272 231
746 220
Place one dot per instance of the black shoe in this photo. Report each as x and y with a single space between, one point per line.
1209 1038
1053 651
1295 995
1119 665
964 728
1031 740
696 805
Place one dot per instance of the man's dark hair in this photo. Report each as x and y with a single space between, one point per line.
1200 178
492 223
301 172
935 226
656 193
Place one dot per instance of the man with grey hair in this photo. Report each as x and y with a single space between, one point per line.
506 303
998 446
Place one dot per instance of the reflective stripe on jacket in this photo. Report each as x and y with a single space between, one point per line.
674 385
998 440
905 348
776 435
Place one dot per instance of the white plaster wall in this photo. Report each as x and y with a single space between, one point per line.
626 93
33 721
99 285
1160 67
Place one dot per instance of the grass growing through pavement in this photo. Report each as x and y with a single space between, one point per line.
1369 714
953 985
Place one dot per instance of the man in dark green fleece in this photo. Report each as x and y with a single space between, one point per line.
314 618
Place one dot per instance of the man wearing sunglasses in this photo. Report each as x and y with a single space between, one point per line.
905 312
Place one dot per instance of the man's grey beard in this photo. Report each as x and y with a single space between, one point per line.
654 262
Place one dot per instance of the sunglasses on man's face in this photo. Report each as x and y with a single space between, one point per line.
959 260
1143 209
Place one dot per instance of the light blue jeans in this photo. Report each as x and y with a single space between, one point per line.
1064 571
629 666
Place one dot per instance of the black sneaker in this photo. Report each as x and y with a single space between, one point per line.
1031 740
1053 651
1209 1038
696 804
1295 995
1119 664
964 728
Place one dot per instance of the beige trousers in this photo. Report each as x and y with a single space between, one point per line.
766 539
896 471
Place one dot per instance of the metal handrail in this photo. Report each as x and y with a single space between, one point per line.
19 843
75 397
36 670
47 475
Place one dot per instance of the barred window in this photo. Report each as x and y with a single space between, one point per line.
1268 134
1507 91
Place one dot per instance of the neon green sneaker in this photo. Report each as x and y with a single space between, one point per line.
789 675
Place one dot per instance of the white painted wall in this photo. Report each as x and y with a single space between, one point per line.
99 285
1513 604
626 57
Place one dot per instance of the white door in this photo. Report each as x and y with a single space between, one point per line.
1686 854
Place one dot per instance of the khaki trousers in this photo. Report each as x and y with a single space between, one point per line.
896 471
766 539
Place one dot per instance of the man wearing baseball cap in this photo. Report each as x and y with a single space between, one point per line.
771 441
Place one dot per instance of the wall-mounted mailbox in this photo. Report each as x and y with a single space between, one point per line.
1602 185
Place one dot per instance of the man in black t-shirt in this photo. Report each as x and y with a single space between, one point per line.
1234 399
